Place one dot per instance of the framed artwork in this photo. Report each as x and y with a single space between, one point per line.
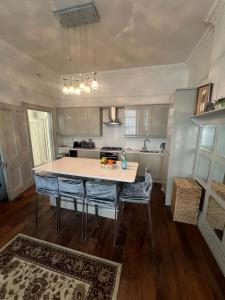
204 94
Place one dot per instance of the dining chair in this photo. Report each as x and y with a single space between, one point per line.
73 189
139 193
103 195
46 184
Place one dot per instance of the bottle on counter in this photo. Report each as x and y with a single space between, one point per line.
123 159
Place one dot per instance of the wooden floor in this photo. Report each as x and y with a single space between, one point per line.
180 267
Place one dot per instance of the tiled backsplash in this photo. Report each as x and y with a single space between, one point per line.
113 136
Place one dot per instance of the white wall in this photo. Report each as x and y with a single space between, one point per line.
20 83
132 86
207 61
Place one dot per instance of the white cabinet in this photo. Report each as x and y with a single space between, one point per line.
88 154
94 121
153 162
81 121
134 157
70 121
145 121
82 117
159 119
60 120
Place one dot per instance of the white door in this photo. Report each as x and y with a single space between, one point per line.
16 150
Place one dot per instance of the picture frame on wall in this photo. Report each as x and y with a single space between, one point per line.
204 95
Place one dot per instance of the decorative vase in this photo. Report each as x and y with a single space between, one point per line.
220 103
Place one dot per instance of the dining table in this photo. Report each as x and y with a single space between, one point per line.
88 168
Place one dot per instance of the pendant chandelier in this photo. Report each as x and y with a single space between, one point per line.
77 33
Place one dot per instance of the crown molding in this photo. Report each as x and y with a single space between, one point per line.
15 54
202 43
216 11
140 70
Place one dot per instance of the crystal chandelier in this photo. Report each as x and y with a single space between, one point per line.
72 85
77 32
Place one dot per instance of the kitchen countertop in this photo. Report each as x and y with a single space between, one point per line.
128 150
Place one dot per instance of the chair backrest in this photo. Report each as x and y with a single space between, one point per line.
71 186
104 191
46 183
148 181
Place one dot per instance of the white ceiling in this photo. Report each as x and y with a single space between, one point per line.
131 33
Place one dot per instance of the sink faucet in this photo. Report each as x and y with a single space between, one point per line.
145 141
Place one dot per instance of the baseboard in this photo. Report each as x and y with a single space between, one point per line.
212 242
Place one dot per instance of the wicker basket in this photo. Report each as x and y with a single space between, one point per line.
185 200
215 215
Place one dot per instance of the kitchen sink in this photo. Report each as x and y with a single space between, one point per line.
150 151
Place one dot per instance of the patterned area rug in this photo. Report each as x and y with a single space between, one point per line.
32 269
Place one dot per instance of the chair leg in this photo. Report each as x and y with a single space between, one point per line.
36 211
115 227
150 222
86 222
58 207
82 225
75 204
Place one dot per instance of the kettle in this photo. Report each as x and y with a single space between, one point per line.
163 146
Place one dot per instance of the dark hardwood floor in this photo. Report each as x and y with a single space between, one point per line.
180 266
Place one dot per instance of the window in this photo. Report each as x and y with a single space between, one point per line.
130 122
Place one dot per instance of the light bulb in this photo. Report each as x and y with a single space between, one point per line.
71 89
65 90
82 86
94 84
87 89
77 91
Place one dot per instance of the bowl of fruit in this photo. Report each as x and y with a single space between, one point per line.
108 163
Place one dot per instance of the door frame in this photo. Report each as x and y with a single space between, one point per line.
13 108
53 121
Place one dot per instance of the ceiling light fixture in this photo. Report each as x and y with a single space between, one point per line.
77 27
94 83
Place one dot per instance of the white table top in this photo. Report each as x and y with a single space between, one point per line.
90 168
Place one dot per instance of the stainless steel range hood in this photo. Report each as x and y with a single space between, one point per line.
113 120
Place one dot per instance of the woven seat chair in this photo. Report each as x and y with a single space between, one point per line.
102 195
73 189
139 193
46 184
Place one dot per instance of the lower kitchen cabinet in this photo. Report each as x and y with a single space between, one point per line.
135 158
149 160
153 162
88 154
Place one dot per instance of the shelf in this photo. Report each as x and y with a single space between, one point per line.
214 117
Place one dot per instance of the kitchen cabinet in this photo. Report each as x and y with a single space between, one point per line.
94 121
82 117
153 162
146 121
70 121
79 121
60 120
88 154
134 156
143 121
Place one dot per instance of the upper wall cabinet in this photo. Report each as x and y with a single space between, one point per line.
143 121
81 121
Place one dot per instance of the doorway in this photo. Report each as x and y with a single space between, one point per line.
41 132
